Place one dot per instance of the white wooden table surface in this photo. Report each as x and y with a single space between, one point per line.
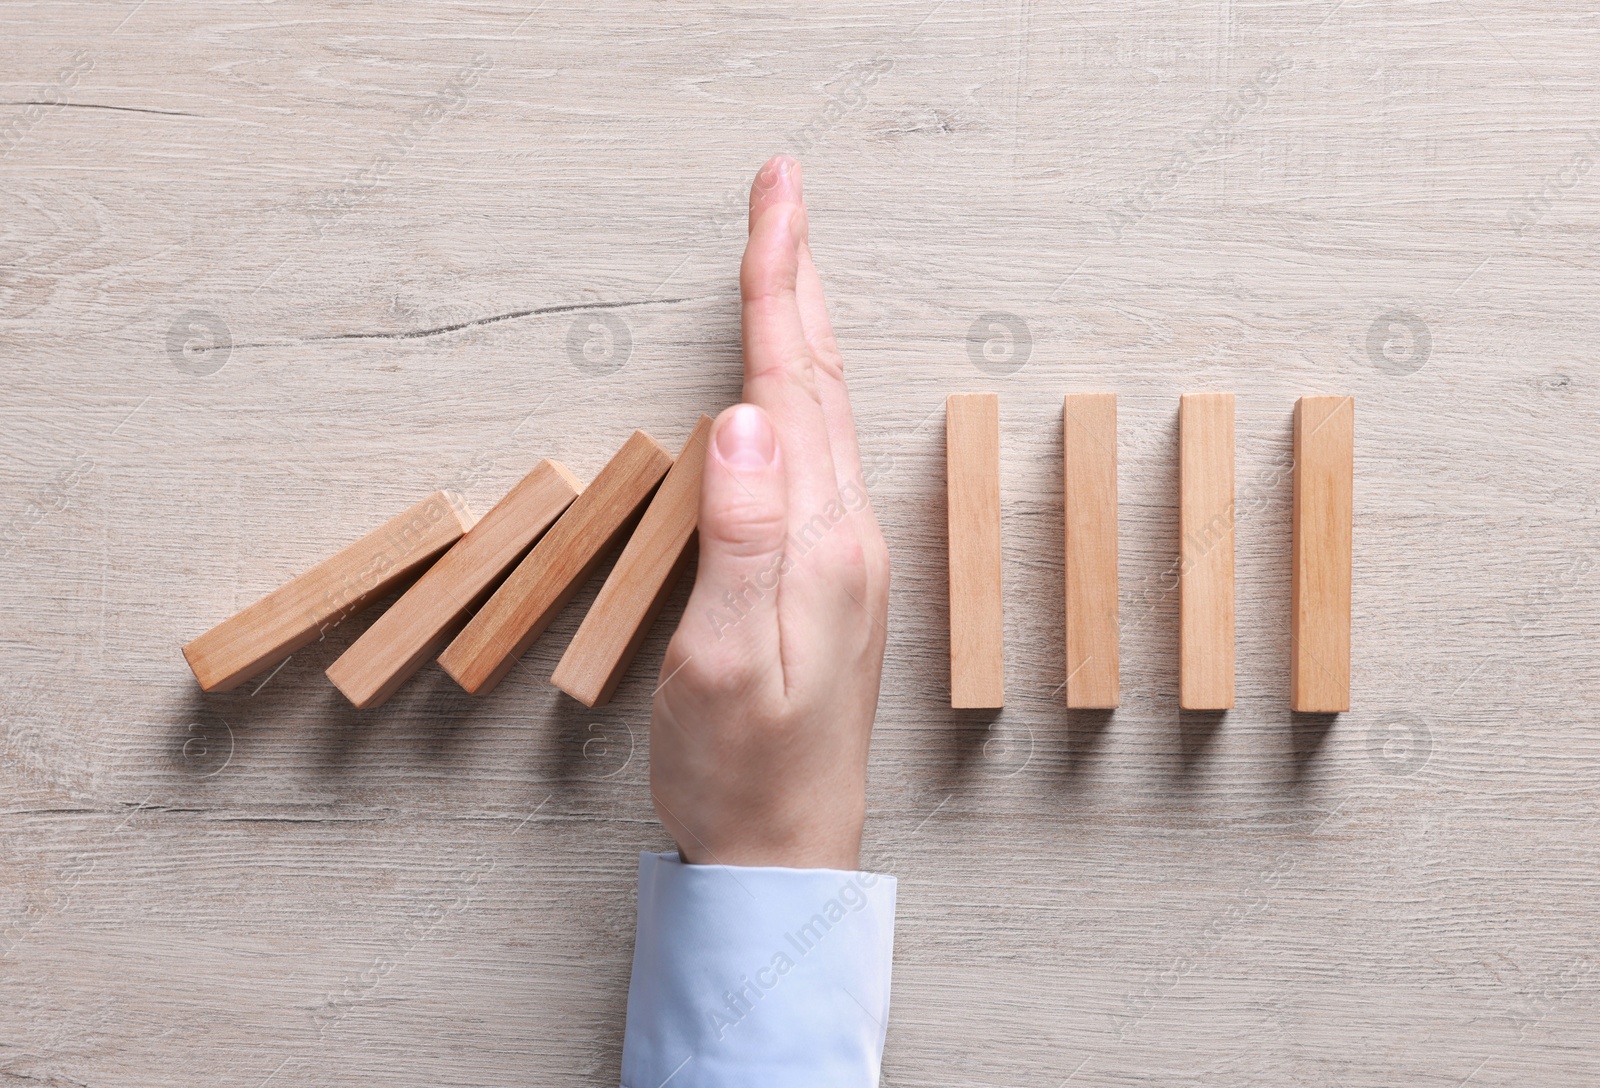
270 270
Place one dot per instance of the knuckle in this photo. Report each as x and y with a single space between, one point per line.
763 283
845 559
721 670
743 526
878 564
826 357
793 367
847 554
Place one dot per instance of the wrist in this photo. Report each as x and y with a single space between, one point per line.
838 851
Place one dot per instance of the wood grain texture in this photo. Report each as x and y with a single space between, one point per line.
517 613
646 572
418 625
972 495
1319 602
300 611
1089 500
1205 534
330 258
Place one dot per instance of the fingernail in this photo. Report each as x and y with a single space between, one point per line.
745 439
780 176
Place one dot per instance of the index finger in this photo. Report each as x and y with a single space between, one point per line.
780 374
827 361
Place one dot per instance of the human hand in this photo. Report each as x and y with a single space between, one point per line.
762 721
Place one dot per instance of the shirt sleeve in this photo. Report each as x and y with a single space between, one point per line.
747 975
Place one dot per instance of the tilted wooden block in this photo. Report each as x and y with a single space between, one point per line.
1205 533
972 485
1089 474
639 584
519 611
417 626
1324 485
300 610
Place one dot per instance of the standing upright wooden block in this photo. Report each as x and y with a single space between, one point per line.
496 638
1089 475
1205 571
972 484
301 609
639 584
1324 484
417 626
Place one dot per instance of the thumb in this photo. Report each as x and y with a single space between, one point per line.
743 522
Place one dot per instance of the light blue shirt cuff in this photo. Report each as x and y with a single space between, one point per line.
758 976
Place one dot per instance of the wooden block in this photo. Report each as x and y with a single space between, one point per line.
639 584
1324 484
1205 571
417 626
301 609
972 484
1089 475
519 611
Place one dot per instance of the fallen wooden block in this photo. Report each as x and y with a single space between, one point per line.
972 485
650 565
300 610
1324 484
417 626
1089 475
1205 571
519 611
